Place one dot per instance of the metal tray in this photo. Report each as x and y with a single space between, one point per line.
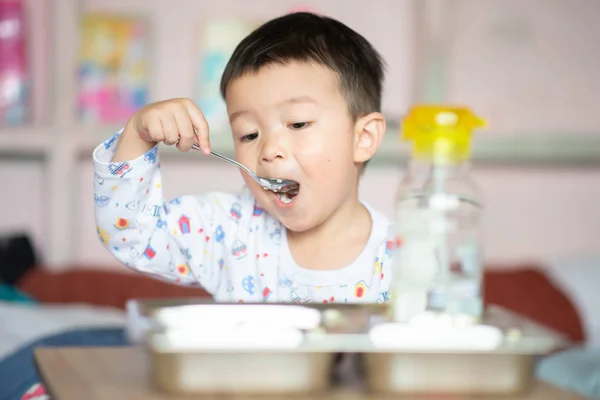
210 348
504 368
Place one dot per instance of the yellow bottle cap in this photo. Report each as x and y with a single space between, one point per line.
441 133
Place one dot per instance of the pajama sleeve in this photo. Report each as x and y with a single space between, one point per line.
182 240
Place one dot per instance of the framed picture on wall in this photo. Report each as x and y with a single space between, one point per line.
14 78
218 39
113 68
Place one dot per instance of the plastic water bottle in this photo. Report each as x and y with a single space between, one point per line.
438 263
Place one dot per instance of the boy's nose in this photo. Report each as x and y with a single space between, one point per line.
272 150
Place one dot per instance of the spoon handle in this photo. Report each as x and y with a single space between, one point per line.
222 157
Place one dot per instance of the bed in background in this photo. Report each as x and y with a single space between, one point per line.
525 289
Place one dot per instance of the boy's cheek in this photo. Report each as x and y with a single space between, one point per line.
325 162
247 159
249 182
257 191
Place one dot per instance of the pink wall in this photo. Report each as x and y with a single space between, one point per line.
529 66
532 213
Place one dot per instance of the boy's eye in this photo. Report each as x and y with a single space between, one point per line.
249 137
299 125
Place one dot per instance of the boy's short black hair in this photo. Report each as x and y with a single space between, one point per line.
309 37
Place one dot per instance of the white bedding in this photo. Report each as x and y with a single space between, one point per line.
23 323
579 278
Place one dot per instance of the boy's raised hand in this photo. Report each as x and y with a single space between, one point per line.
175 121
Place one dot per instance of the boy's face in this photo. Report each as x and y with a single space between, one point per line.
291 121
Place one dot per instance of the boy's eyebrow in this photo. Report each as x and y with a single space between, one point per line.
299 99
237 114
292 100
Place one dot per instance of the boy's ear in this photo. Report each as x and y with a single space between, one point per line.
368 134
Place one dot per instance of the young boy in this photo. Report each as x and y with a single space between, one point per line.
303 94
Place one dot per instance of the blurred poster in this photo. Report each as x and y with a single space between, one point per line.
218 40
113 68
13 64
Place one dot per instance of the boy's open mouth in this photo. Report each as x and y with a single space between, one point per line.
287 194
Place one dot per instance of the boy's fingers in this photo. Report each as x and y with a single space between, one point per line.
154 129
170 129
200 125
186 130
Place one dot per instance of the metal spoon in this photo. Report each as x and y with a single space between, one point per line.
273 184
